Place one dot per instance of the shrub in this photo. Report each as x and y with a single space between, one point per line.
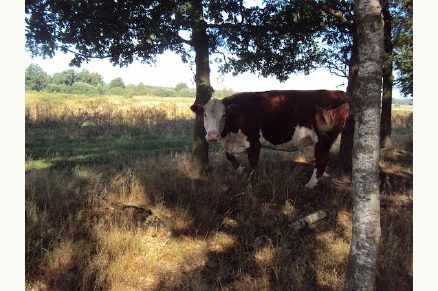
185 93
163 92
83 88
116 91
54 88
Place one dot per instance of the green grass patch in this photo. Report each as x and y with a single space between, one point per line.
39 164
98 151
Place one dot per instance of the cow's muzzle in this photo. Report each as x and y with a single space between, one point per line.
213 136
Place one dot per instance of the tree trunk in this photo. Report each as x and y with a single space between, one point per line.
385 123
343 166
362 259
202 80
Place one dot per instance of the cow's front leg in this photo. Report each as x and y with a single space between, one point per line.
253 158
322 155
236 164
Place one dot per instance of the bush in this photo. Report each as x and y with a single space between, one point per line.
185 93
52 88
117 82
116 91
219 94
162 92
83 88
181 86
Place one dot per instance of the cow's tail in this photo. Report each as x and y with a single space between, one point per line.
327 119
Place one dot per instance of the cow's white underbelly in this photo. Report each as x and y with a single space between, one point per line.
301 138
237 143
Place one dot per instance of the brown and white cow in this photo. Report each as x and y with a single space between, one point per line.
280 120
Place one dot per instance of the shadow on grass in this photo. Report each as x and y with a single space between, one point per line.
248 242
59 234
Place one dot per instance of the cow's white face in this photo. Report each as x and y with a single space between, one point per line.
214 118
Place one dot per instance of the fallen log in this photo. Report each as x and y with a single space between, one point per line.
311 218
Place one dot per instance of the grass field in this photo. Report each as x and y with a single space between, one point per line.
113 203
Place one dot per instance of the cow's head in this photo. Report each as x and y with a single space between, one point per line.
215 116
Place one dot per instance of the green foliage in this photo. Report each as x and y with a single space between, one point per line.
100 89
67 77
55 88
186 92
279 39
141 89
116 91
181 86
90 78
35 78
403 45
84 89
117 82
122 31
219 94
162 92
182 90
86 83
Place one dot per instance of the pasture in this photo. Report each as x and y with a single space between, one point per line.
113 203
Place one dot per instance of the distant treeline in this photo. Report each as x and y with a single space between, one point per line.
403 101
86 83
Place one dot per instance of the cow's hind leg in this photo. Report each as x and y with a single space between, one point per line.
322 155
236 164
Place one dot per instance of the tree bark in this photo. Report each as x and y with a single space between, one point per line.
343 166
388 79
364 248
311 218
204 90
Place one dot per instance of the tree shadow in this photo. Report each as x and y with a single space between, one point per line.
259 251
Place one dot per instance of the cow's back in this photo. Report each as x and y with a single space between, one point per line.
277 113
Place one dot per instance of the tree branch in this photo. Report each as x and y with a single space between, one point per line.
335 13
87 56
310 219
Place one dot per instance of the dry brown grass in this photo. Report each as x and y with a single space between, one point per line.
79 237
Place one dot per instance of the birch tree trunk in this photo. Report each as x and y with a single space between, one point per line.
364 248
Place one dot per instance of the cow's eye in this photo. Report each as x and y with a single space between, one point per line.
205 115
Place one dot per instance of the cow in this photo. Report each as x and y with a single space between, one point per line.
284 120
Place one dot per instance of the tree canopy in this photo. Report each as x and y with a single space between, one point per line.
286 37
403 45
123 30
117 82
275 38
35 78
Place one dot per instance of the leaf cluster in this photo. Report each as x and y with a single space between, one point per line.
272 38
117 30
284 37
402 12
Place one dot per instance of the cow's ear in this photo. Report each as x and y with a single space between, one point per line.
198 109
232 109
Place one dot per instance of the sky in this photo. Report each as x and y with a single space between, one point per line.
169 70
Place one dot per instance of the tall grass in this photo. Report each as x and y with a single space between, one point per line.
86 160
